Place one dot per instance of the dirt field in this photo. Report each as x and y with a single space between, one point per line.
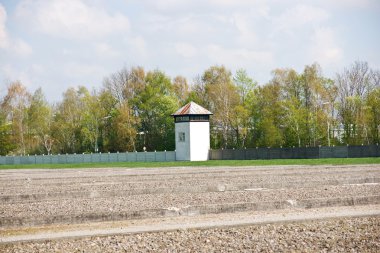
288 208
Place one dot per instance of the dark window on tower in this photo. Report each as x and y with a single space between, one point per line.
182 119
181 137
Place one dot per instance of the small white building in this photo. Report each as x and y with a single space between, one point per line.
192 133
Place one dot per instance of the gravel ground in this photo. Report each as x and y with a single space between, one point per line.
178 200
45 196
335 235
38 194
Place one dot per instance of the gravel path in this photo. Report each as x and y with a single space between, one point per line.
336 235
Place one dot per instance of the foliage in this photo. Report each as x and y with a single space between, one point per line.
132 111
6 143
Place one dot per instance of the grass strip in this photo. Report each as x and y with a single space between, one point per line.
211 163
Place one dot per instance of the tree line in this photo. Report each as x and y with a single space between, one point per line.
131 112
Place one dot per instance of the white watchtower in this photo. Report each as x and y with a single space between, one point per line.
192 133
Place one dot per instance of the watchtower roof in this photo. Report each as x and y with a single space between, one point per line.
192 109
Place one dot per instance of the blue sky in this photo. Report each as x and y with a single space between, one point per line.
57 44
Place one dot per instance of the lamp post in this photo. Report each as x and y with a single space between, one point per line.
328 125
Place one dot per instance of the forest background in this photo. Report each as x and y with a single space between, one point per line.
133 110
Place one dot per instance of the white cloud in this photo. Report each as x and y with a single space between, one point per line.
3 31
139 46
105 50
299 16
245 27
72 19
237 56
349 3
12 73
13 45
185 49
21 48
324 48
81 70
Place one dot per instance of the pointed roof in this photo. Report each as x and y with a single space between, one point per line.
192 109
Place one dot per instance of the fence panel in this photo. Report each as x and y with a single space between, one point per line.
215 155
326 152
274 153
160 156
150 156
251 154
340 152
312 152
27 160
140 156
357 151
363 151
46 159
239 154
287 153
262 153
227 154
122 157
170 156
296 153
132 157
54 159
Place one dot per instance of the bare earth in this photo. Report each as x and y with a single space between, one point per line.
222 209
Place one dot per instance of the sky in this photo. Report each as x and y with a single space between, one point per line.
57 44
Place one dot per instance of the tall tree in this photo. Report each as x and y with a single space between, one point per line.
154 105
67 123
15 106
93 116
181 89
354 84
125 84
222 98
39 120
373 116
268 116
6 143
124 128
242 121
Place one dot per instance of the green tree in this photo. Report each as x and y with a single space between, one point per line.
245 85
39 120
181 89
15 107
6 143
66 128
242 120
354 85
268 116
93 115
124 128
154 106
221 98
373 116
295 121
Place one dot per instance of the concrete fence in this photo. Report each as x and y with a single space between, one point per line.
220 154
90 158
295 153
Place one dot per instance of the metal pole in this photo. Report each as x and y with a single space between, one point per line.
328 132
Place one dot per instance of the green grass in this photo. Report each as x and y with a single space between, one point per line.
213 163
